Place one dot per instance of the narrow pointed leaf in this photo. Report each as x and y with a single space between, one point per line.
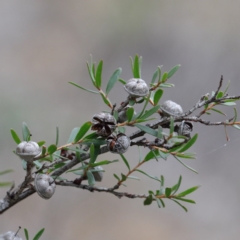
52 148
164 78
133 177
116 176
122 81
185 200
152 177
218 111
26 234
185 165
57 136
168 192
85 89
41 143
151 155
6 171
189 143
25 132
236 126
184 208
113 79
82 131
99 75
125 161
157 96
91 179
154 76
39 234
105 99
148 200
124 178
73 135
137 67
105 162
15 137
173 71
130 113
188 191
5 184
90 71
176 187
150 112
147 129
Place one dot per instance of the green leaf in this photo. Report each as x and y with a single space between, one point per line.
41 143
122 81
6 171
26 233
159 73
226 88
171 125
85 89
154 76
236 126
147 129
125 161
184 208
25 132
113 79
105 99
189 143
57 135
105 162
148 200
160 133
162 180
130 113
91 179
158 202
152 177
73 135
152 154
164 77
5 184
157 96
166 85
90 71
188 191
185 200
218 111
99 75
44 150
176 187
168 192
124 178
39 234
133 177
173 71
185 164
150 112
219 95
116 176
235 115
82 131
93 155
51 149
136 67
229 103
15 137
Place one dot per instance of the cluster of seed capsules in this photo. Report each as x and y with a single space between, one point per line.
105 124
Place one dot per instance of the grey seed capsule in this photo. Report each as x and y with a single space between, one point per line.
44 185
104 124
170 108
118 144
28 150
136 87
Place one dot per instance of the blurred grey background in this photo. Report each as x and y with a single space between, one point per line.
45 44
